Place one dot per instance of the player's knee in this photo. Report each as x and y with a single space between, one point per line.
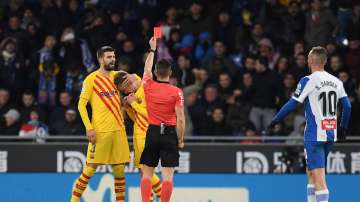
118 170
167 173
92 165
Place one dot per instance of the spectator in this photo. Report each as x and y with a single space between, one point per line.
74 14
48 82
267 95
354 126
95 33
293 24
33 41
225 30
332 48
279 130
5 105
298 49
216 126
75 52
170 22
48 51
282 65
197 22
204 107
191 94
53 16
321 25
73 80
12 68
29 18
116 23
174 43
145 33
336 65
352 57
289 83
248 42
226 87
34 128
219 63
9 123
65 102
129 53
70 125
249 131
185 75
204 48
348 83
266 49
300 69
249 63
238 111
354 26
28 105
15 31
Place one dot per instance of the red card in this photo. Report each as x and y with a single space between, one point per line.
157 32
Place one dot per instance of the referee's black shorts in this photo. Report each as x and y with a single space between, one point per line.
161 146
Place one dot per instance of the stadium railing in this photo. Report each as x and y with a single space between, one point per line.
188 139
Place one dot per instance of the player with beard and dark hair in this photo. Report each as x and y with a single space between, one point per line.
106 131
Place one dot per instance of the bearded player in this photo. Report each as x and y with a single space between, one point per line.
106 131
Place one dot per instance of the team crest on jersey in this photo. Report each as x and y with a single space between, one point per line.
298 90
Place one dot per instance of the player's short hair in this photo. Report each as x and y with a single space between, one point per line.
119 78
163 68
320 52
100 52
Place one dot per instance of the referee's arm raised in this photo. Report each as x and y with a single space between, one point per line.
150 59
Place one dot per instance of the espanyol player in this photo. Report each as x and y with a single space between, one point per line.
320 92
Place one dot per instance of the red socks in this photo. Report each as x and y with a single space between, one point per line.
146 189
166 191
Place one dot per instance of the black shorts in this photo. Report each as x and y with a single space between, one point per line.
161 146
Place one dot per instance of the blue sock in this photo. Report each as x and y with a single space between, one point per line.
311 193
322 196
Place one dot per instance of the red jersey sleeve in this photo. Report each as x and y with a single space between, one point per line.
179 98
147 81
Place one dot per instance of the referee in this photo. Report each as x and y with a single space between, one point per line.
165 134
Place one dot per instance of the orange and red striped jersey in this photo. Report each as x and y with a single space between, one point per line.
138 112
103 96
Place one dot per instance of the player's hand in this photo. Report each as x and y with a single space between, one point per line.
126 80
269 129
341 134
181 143
131 98
91 136
152 43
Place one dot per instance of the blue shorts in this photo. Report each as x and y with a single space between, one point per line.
316 153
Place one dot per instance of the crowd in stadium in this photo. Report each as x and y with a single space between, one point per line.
237 61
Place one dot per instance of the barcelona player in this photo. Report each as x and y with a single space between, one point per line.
106 131
135 103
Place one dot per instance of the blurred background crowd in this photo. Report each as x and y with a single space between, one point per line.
237 61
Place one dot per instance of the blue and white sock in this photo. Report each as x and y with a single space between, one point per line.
322 196
311 193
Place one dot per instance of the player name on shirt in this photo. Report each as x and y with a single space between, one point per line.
326 83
